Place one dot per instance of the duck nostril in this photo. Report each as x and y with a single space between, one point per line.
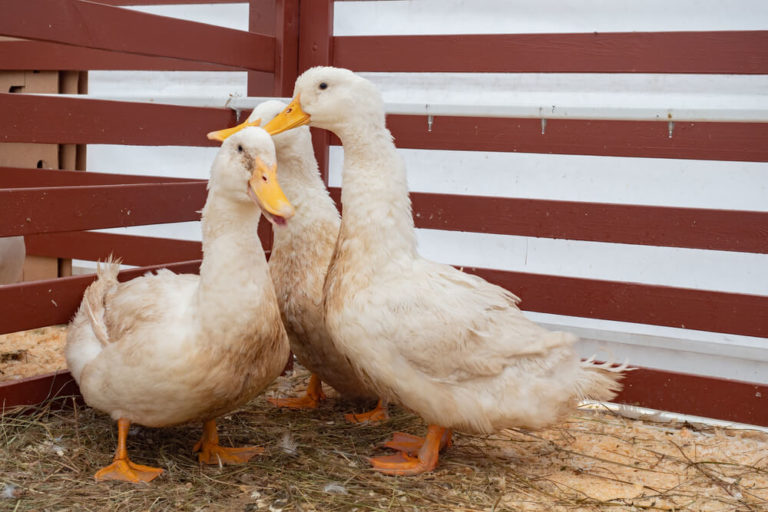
264 178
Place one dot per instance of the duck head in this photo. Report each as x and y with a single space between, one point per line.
332 98
245 167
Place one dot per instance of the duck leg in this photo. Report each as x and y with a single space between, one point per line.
122 468
212 453
410 444
404 464
310 400
379 413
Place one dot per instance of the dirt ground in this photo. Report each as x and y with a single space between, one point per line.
30 353
314 461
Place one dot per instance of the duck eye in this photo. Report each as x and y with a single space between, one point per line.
240 148
323 85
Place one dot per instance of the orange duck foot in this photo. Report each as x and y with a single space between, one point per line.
215 454
212 453
378 414
126 471
402 464
305 402
410 444
310 400
428 452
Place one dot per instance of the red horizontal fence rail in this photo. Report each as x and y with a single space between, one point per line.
693 228
667 306
740 52
40 210
648 139
55 301
132 250
41 56
104 27
48 119
16 177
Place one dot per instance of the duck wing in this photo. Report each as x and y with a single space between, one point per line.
455 326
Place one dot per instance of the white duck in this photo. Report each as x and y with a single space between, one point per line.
301 253
450 346
165 349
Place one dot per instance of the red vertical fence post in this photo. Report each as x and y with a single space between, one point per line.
261 19
279 18
316 49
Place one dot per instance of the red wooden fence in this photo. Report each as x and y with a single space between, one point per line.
289 36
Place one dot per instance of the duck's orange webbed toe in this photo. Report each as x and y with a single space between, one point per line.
126 471
410 444
310 400
122 468
210 452
376 415
427 456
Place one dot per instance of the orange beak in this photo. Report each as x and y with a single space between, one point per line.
291 117
268 194
221 135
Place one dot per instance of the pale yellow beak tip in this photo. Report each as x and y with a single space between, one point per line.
216 135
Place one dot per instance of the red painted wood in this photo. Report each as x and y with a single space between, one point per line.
261 19
316 49
723 230
54 209
286 47
37 390
18 177
39 55
170 2
727 52
132 250
51 120
702 310
52 302
99 26
279 18
729 400
690 140
723 399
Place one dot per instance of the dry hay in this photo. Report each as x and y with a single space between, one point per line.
314 461
29 353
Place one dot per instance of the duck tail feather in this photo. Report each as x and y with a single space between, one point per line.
93 300
600 381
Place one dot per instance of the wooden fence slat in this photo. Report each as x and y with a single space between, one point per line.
18 177
41 56
38 389
728 400
170 2
52 120
649 139
132 250
667 306
54 209
704 310
104 27
726 52
52 302
722 230
316 49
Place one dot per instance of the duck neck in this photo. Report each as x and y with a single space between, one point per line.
233 276
301 182
376 206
